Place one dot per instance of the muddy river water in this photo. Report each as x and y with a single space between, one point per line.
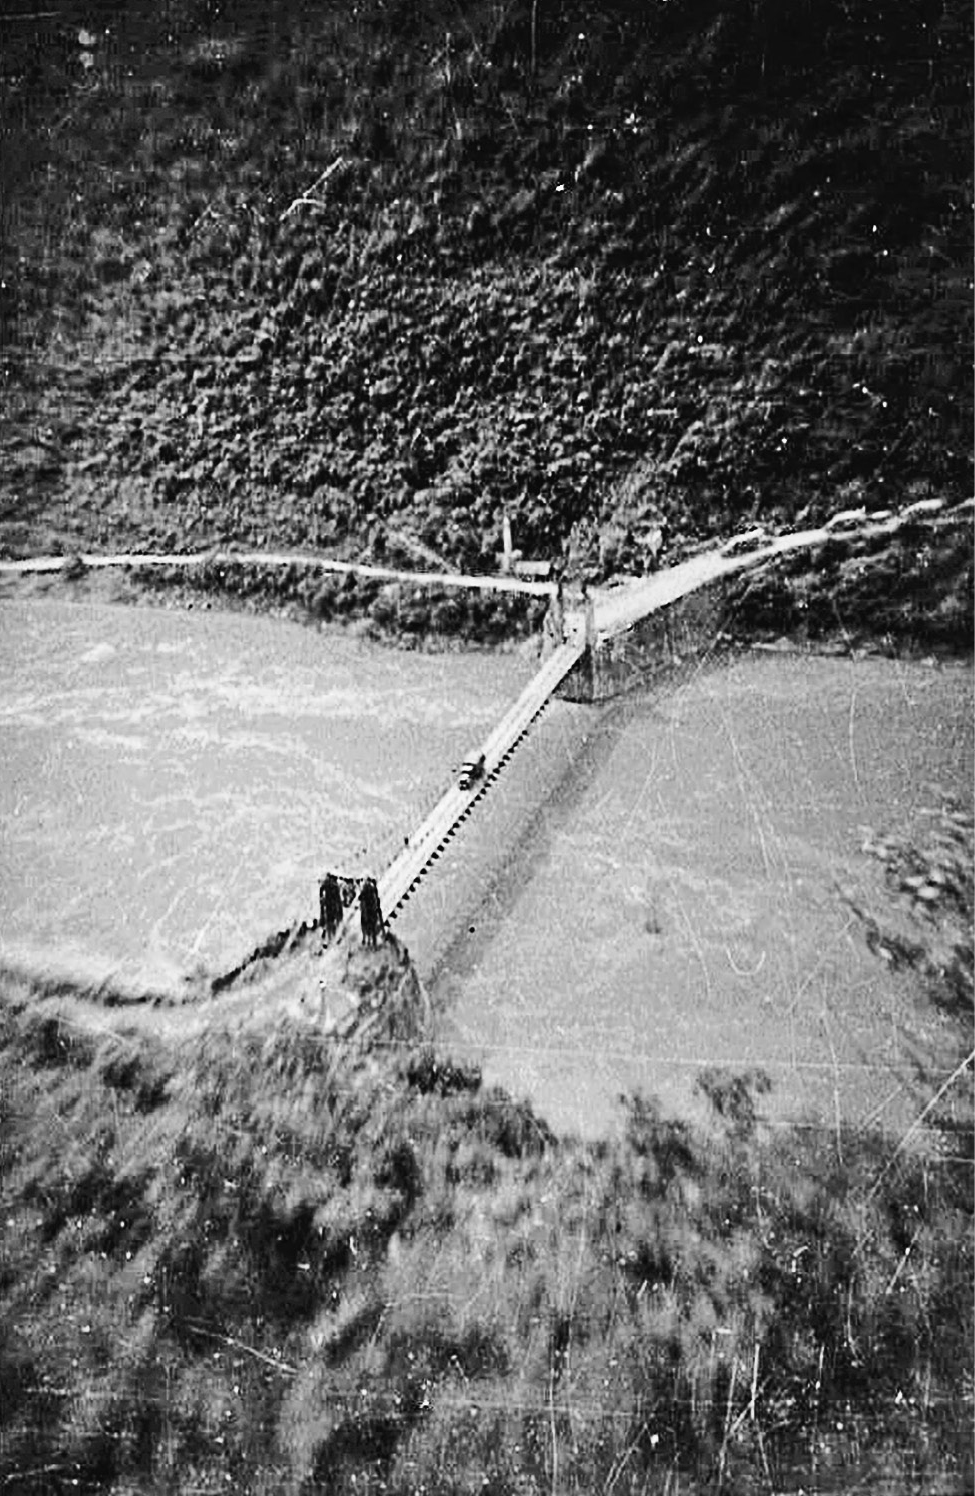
653 886
175 783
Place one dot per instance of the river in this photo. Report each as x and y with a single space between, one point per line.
666 892
653 886
176 783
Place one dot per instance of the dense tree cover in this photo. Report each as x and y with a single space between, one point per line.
604 264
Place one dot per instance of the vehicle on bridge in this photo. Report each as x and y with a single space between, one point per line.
749 540
847 519
471 770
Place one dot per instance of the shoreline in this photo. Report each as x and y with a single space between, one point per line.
176 588
905 595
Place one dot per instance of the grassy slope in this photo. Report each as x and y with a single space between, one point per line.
258 1259
696 260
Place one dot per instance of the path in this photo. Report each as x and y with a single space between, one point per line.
41 564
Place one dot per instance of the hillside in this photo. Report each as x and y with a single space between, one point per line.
295 278
246 1254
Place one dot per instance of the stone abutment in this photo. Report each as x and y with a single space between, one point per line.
635 656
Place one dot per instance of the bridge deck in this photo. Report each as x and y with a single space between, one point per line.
427 842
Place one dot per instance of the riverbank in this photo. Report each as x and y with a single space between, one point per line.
908 591
409 614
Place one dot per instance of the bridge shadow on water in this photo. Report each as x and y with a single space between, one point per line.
659 889
543 788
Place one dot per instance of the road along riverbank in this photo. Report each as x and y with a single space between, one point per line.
903 582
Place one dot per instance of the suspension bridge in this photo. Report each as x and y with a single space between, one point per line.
595 634
600 627
606 615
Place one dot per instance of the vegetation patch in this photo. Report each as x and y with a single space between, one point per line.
413 614
621 269
908 592
274 1258
923 919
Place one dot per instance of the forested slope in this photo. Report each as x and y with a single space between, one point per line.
605 263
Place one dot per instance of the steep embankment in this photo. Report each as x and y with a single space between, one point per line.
895 593
605 265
